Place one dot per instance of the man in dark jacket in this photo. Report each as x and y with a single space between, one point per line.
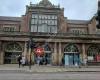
19 60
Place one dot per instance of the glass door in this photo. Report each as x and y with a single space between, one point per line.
66 62
47 58
76 59
71 59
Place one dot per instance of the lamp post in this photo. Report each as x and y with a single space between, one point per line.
30 46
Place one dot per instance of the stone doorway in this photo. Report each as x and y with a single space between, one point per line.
12 50
71 55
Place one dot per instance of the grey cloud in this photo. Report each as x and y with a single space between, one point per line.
79 9
74 9
12 7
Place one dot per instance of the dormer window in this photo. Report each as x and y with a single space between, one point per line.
9 28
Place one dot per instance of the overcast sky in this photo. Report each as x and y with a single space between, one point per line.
74 9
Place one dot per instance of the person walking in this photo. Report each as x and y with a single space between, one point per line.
23 60
19 60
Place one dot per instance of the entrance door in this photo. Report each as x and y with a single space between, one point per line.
76 59
72 53
47 58
7 58
12 50
11 57
71 59
66 60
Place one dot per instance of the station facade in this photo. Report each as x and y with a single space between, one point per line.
65 42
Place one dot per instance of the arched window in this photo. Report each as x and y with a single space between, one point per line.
11 47
93 50
92 53
71 48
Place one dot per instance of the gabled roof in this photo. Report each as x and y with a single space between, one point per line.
6 18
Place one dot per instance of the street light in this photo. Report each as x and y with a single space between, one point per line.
30 46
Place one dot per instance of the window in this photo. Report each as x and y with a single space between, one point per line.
46 21
8 29
53 29
92 53
49 29
42 28
43 23
32 21
55 17
33 28
35 21
71 48
49 22
77 32
40 21
48 16
52 22
55 22
34 16
40 16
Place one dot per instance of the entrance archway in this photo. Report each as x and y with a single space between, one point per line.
71 55
92 53
12 50
46 57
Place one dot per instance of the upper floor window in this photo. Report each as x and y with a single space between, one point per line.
77 32
8 29
34 16
44 23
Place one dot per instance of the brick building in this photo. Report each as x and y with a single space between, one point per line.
65 42
98 15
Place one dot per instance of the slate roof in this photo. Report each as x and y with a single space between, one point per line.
78 21
6 18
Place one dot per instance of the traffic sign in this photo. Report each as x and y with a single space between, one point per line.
39 51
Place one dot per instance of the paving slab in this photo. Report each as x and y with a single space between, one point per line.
48 68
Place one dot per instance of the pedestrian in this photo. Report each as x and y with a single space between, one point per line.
19 60
23 60
85 62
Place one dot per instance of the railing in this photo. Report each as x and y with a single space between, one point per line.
49 34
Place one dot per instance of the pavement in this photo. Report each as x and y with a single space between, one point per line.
47 68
